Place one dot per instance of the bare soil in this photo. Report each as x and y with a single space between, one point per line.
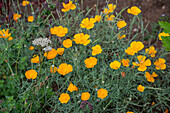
151 9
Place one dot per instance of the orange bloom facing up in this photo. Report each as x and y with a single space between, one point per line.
153 103
130 51
115 64
35 59
24 3
135 47
65 69
64 98
102 93
134 10
59 31
10 38
160 64
125 62
51 54
67 43
111 17
31 48
149 77
4 34
60 51
87 23
82 38
110 9
16 17
90 62
53 69
129 112
85 96
72 87
31 74
67 7
121 24
140 88
30 18
96 50
142 63
151 51
162 35
98 18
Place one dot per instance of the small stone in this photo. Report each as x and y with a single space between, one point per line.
163 7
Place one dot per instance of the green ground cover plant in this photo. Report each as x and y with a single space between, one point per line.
151 34
58 58
165 37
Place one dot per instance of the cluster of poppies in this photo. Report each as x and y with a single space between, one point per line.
82 38
64 97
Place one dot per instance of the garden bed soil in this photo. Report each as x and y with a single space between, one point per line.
151 9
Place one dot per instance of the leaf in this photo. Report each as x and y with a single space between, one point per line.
165 26
166 43
23 59
9 97
1 83
21 66
2 60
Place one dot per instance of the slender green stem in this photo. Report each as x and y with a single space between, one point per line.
8 58
17 62
131 26
82 5
108 104
155 88
10 68
32 9
30 108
